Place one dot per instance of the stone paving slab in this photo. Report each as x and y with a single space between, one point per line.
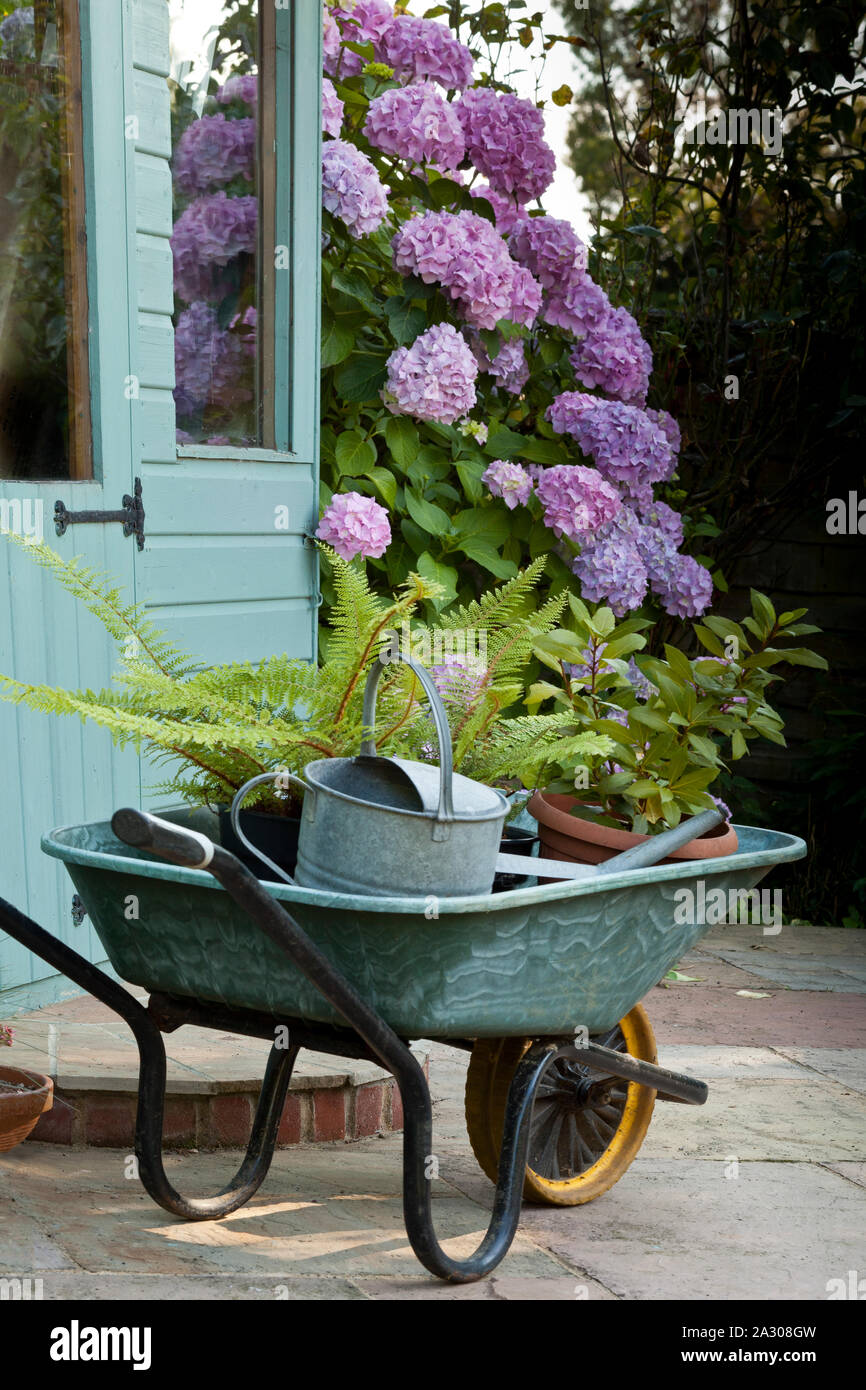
342 1218
677 1229
845 1065
781 1120
64 1285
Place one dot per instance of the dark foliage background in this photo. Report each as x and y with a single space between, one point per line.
747 272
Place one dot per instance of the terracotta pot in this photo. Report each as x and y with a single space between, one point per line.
564 836
20 1110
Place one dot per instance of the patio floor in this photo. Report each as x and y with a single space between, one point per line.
760 1195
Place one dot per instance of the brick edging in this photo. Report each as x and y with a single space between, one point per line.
106 1119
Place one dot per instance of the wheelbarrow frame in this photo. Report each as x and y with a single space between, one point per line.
367 1036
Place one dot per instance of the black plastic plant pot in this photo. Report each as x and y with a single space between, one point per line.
514 841
275 836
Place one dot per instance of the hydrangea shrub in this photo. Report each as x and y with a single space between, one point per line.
477 382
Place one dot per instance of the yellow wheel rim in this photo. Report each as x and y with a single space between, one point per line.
585 1130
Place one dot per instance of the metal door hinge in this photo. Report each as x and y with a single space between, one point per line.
131 516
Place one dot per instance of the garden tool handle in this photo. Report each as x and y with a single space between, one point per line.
657 847
173 842
445 813
235 816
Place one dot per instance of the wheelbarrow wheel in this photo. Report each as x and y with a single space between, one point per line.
585 1128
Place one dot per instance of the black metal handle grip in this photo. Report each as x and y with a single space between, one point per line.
172 842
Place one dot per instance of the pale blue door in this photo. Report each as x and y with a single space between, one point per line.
225 566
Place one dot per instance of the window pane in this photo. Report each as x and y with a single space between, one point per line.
44 392
215 66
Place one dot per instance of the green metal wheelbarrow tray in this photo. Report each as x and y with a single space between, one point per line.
541 984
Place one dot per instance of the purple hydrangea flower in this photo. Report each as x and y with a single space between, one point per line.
417 124
351 188
549 247
686 588
723 807
642 687
576 500
207 235
466 255
213 151
355 525
459 680
209 362
509 481
626 445
669 427
421 48
505 141
434 379
332 110
662 517
615 357
245 89
509 366
507 209
610 567
578 305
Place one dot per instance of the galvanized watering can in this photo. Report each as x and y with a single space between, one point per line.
388 826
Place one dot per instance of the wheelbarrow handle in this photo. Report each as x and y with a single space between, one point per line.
172 842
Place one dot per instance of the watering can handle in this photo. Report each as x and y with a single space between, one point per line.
445 812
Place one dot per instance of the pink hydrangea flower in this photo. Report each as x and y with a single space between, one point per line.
525 297
578 304
549 247
421 48
576 500
417 124
355 525
332 110
507 209
509 481
434 379
615 357
360 21
351 188
466 255
509 366
505 141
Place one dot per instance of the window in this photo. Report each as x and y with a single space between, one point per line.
44 385
223 59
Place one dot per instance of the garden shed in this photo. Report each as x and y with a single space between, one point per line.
158 372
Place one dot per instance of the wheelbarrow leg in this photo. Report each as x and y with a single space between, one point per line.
152 1078
144 831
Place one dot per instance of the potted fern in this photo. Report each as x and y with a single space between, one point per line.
215 727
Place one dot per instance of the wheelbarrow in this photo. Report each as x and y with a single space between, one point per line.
540 984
